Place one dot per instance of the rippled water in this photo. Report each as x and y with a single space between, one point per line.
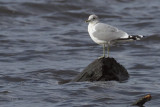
45 42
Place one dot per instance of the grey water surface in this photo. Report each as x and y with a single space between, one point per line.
45 42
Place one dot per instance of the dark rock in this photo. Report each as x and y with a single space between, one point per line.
103 69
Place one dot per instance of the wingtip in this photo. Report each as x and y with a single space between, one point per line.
141 36
136 37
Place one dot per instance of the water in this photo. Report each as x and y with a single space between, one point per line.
45 42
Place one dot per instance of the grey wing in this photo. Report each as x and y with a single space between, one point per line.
105 28
107 32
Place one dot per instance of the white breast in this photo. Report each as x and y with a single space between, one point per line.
91 31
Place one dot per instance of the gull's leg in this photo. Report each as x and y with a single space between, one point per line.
103 56
104 46
108 49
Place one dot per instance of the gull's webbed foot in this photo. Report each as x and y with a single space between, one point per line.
101 57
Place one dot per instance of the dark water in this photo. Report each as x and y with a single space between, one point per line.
44 42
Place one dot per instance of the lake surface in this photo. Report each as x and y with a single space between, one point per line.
45 42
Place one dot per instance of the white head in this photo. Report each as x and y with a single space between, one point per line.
92 19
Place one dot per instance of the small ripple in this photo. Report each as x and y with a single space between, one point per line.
63 76
2 36
152 38
143 24
4 92
140 66
5 11
13 79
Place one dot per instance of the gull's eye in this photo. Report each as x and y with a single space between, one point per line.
94 18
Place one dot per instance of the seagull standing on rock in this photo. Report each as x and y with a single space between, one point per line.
103 34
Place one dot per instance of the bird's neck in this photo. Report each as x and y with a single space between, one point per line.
93 23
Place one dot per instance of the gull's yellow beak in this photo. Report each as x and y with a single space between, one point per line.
87 21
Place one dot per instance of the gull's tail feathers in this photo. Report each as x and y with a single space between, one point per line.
129 38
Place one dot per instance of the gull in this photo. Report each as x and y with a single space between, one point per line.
103 34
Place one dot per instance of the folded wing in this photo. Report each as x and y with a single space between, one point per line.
106 32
